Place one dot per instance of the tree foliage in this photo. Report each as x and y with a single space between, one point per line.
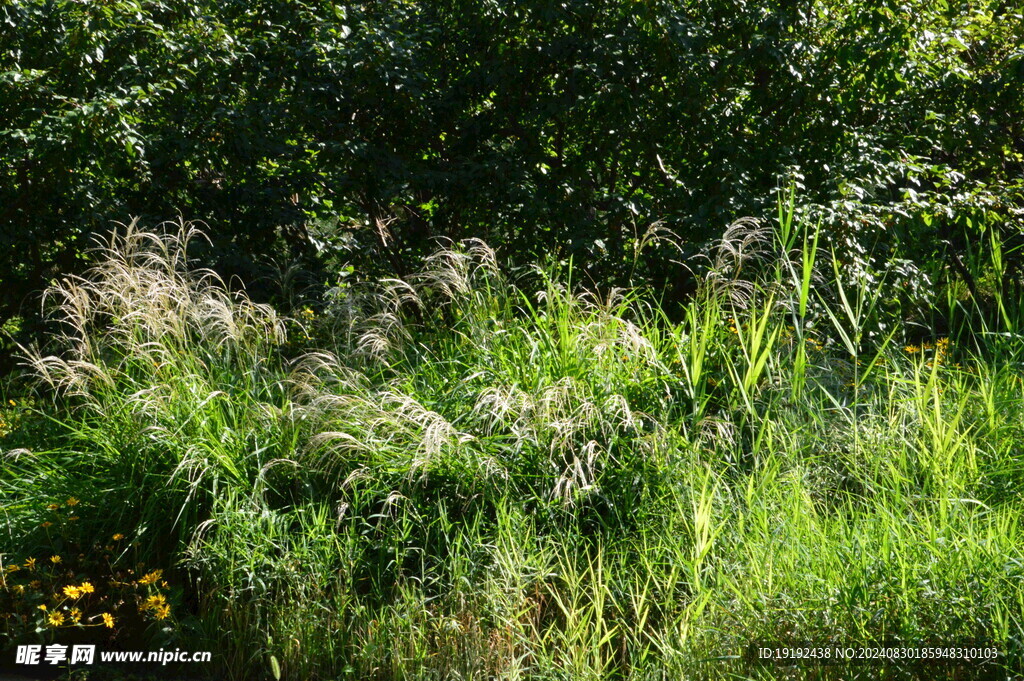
362 130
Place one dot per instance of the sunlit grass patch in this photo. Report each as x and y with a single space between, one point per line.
486 474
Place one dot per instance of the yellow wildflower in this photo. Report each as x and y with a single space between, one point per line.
163 612
118 537
52 507
72 501
76 615
56 619
73 518
12 403
86 588
108 620
42 606
55 559
154 602
911 349
72 592
45 524
35 584
30 564
151 577
13 568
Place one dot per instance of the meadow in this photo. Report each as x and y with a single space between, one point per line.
481 472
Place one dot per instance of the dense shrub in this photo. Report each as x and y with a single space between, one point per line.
356 133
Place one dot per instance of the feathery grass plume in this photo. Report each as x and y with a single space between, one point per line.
141 302
458 272
172 373
351 423
543 389
744 246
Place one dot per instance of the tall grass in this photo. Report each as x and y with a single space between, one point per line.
476 475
